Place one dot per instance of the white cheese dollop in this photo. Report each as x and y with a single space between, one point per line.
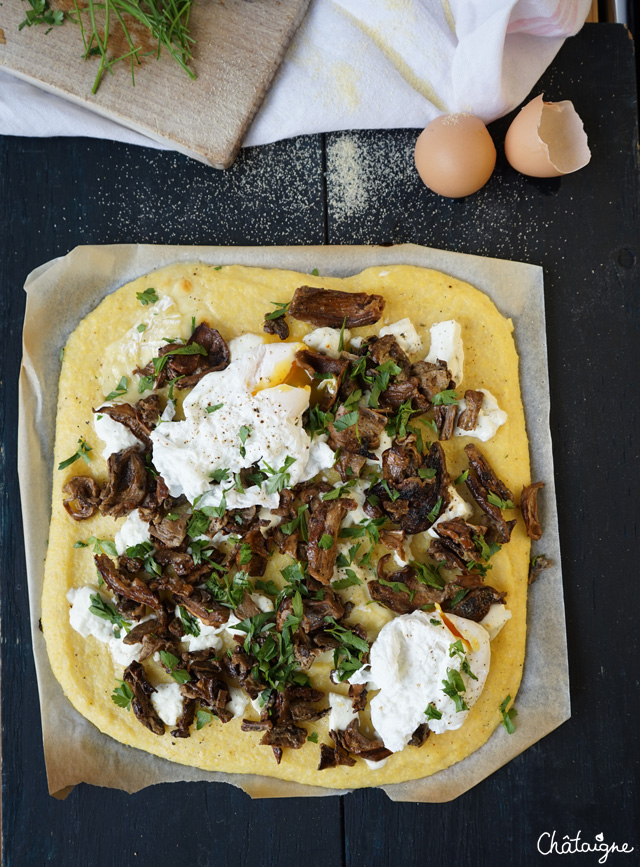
134 531
115 436
86 623
186 452
495 618
409 661
326 340
238 700
136 347
342 712
167 701
490 418
83 620
446 345
405 334
457 508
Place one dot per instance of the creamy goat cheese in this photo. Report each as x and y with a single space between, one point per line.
256 421
405 334
410 659
115 436
341 713
86 623
134 531
326 340
446 345
495 618
238 700
457 508
167 701
490 418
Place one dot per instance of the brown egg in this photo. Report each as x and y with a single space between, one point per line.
547 139
455 155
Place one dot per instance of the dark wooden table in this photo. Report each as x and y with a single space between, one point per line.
584 231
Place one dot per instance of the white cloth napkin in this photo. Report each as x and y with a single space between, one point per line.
365 64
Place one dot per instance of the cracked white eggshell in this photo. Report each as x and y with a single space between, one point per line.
547 139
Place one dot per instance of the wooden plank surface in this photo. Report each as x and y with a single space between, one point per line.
239 47
584 231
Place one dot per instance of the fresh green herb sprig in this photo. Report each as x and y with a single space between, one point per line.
106 611
40 13
453 687
495 500
120 389
278 479
171 662
282 308
83 452
508 715
100 546
347 657
149 296
122 695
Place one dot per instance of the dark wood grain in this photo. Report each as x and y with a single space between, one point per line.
584 231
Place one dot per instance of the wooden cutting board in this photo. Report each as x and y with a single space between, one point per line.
239 47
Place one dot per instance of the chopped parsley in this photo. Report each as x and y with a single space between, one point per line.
214 407
219 475
462 477
171 662
432 712
100 546
298 523
453 687
229 590
426 473
508 715
282 307
495 500
433 514
189 622
448 397
347 420
347 657
243 433
202 718
326 542
341 339
429 575
486 550
106 611
142 327
40 13
350 581
149 296
83 452
279 479
313 737
120 389
187 349
122 695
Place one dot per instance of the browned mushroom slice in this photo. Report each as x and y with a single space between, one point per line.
170 532
458 535
185 720
432 378
127 484
323 526
84 497
127 585
538 564
330 307
140 419
201 604
468 418
475 605
488 478
529 507
251 553
384 349
357 430
134 677
445 417
285 735
420 735
358 695
356 743
277 326
401 590
401 461
319 366
349 466
480 494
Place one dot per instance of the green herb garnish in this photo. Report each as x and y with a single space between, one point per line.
508 715
180 675
495 500
83 452
120 389
149 296
122 695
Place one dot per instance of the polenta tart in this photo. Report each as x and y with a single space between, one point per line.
291 522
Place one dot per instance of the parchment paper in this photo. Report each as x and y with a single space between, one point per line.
61 292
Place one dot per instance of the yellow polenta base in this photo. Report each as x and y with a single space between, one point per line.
234 300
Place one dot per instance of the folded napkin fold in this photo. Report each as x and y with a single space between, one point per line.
365 64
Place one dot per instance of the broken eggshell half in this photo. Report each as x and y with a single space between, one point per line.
547 139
